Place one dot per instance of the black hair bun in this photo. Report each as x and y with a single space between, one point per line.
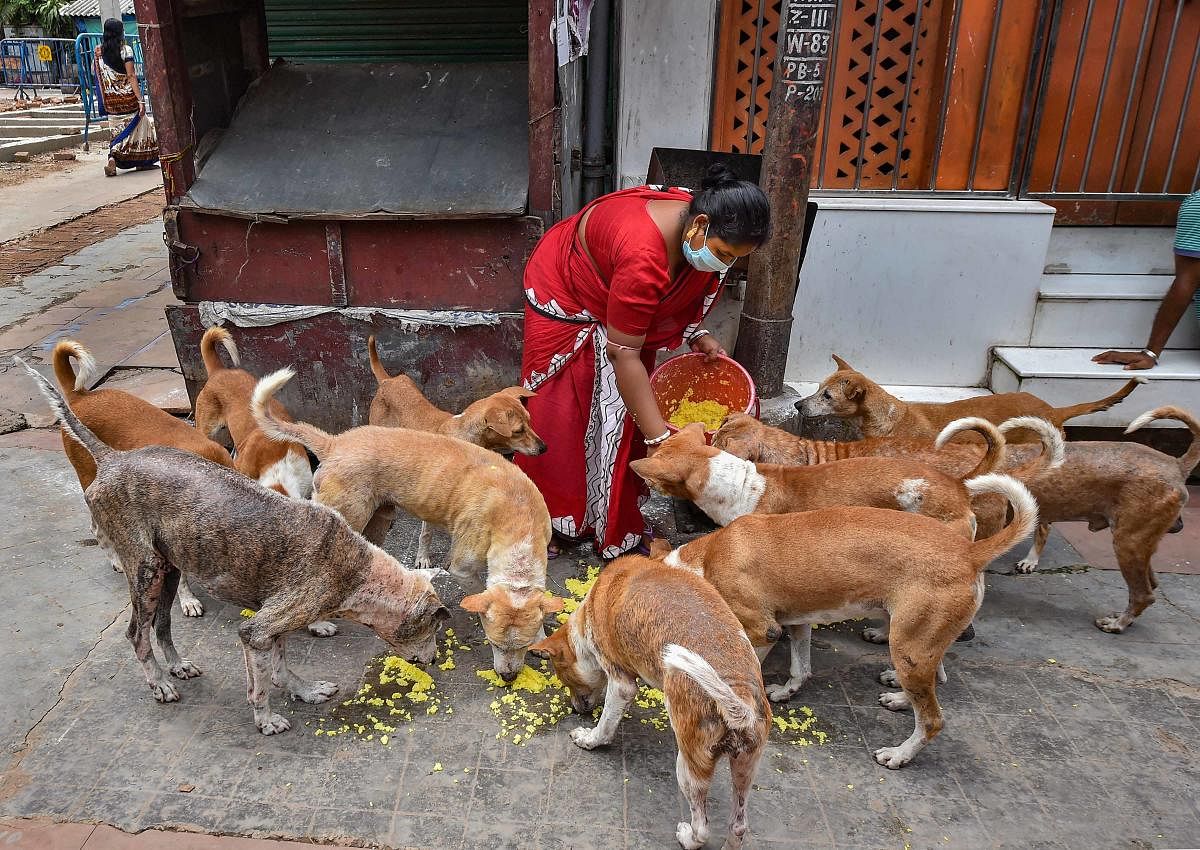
719 175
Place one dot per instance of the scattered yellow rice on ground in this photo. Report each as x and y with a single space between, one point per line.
534 701
711 413
393 692
578 588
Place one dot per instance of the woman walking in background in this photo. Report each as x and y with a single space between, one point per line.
134 143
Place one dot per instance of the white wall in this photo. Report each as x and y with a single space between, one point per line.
915 291
665 69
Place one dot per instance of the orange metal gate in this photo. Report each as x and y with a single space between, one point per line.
988 97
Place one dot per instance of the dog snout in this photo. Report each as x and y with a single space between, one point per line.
507 664
508 675
540 448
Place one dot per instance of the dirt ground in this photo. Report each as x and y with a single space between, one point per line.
39 165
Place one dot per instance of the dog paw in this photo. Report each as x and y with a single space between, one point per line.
314 692
185 670
1114 625
191 607
585 738
273 724
889 678
1025 566
537 653
893 758
322 628
894 700
875 635
687 837
164 691
784 692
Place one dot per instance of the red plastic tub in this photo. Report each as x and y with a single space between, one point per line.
723 381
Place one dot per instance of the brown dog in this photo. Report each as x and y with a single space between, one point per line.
497 519
499 422
225 400
824 566
123 422
1134 490
643 620
848 394
726 487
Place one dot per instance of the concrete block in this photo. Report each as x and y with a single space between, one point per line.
65 156
21 156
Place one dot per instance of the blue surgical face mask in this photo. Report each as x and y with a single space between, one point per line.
704 259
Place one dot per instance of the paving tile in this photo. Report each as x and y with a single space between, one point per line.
157 354
163 388
427 830
49 321
343 826
34 834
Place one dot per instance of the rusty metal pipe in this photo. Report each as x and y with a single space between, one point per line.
801 67
596 103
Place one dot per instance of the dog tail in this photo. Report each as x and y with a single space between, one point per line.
310 436
1062 414
71 381
1053 447
377 369
1189 459
994 455
79 432
1025 516
208 349
738 713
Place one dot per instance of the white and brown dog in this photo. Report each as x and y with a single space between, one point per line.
726 487
671 629
796 570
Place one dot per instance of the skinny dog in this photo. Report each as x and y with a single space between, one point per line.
670 629
497 519
164 512
123 421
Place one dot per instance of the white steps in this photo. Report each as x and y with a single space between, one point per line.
1114 310
1065 376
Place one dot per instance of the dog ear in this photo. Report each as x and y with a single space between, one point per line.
518 392
551 604
842 365
441 613
499 424
547 646
660 548
853 389
695 431
477 603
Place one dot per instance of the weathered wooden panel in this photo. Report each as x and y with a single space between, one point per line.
426 265
334 386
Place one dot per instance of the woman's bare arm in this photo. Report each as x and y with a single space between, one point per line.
131 74
633 382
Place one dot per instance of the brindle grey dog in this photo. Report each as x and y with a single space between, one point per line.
160 511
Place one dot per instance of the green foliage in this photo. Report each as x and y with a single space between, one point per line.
43 13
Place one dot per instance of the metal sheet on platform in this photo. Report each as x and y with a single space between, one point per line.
395 140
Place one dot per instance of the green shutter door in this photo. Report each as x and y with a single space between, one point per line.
397 30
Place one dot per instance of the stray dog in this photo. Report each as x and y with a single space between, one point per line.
123 421
225 400
726 487
829 565
164 511
499 422
1133 489
642 620
747 438
849 394
497 519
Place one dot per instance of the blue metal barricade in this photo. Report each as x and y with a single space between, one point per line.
28 64
89 93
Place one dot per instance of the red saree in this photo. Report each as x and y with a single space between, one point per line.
584 474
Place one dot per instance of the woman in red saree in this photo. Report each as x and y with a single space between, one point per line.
633 272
